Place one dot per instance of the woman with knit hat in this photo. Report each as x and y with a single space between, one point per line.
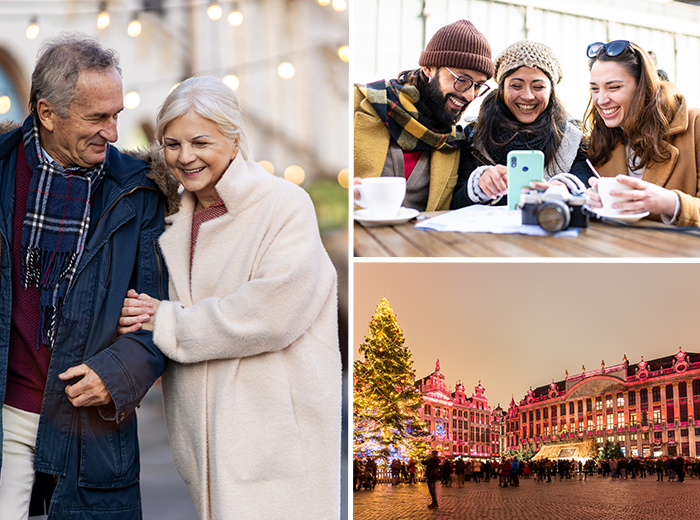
406 127
524 113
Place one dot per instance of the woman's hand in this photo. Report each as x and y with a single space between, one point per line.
494 181
645 196
137 313
592 194
543 185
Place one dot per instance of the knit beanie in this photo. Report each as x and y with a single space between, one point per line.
531 54
459 45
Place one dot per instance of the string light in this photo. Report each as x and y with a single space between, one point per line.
236 17
294 174
134 28
232 81
132 100
285 70
339 5
344 53
103 17
214 11
5 104
268 166
33 28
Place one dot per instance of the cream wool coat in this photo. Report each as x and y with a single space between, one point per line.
253 395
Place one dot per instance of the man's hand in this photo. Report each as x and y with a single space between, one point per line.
89 391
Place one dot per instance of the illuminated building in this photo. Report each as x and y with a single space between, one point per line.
460 425
651 408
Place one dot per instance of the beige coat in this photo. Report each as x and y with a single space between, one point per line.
681 173
253 394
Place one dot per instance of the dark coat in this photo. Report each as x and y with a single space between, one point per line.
95 449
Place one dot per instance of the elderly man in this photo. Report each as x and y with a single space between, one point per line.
79 227
406 127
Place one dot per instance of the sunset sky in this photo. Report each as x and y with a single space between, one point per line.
516 325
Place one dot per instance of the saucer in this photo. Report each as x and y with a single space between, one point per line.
404 215
616 216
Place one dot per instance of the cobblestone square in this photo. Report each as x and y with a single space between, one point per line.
595 498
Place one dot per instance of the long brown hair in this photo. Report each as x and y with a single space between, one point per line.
651 113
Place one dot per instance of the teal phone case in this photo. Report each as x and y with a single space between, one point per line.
524 166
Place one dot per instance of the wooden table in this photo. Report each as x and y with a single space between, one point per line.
600 239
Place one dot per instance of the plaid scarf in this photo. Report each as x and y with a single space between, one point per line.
55 227
401 110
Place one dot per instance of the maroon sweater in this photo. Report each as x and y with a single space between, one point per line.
28 361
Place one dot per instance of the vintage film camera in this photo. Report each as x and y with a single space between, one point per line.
554 209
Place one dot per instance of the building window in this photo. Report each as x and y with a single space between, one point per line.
632 398
537 414
571 408
611 438
620 438
684 432
545 413
656 394
620 419
580 407
657 435
645 436
608 401
588 405
620 400
598 403
610 421
426 409
633 436
633 419
554 412
682 390
684 410
599 422
590 424
643 396
696 387
580 425
562 409
671 435
657 416
669 392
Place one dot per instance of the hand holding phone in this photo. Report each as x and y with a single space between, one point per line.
524 167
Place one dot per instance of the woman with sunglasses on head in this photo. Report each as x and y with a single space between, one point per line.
524 113
641 130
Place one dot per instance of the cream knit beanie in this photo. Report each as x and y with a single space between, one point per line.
527 53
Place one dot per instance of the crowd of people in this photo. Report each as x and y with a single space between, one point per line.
638 127
508 471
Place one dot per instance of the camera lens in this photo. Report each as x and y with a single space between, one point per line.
553 216
513 162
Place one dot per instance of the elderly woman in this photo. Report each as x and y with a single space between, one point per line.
642 131
524 113
253 392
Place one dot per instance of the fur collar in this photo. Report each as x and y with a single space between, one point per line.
158 170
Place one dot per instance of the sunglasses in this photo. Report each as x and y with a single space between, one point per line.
612 49
464 83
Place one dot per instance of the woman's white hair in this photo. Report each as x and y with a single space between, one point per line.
210 98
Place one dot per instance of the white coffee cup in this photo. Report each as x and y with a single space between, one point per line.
605 185
382 196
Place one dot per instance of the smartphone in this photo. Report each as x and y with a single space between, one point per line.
524 167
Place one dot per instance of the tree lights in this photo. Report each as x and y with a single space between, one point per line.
386 405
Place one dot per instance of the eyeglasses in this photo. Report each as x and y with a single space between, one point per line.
612 49
464 83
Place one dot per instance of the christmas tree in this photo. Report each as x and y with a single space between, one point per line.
386 405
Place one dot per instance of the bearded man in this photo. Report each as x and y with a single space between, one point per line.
408 126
